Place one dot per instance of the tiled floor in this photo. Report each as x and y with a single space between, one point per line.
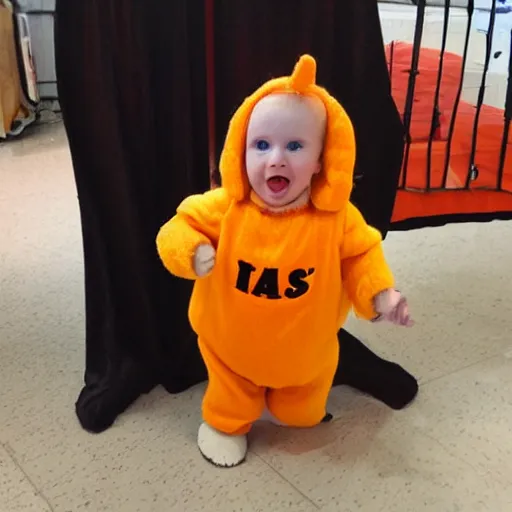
450 451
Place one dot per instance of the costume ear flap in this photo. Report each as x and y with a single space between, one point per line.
232 159
331 188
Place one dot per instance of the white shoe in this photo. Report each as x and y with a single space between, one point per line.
220 449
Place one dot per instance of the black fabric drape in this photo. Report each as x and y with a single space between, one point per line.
131 88
133 92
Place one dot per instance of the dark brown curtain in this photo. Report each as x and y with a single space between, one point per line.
131 86
132 80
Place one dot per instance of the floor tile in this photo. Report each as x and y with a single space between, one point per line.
370 461
469 413
17 494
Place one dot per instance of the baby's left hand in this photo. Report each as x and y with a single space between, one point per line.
392 307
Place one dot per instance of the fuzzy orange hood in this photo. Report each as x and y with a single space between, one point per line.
331 188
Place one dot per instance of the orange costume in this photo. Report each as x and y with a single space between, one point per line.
268 313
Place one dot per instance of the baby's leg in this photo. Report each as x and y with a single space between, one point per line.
303 406
231 405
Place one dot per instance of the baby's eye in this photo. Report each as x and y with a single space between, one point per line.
262 145
294 145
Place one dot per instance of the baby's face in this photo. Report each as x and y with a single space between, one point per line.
284 146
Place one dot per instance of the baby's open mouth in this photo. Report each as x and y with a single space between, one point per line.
277 183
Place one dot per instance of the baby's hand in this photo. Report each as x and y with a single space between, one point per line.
204 260
392 307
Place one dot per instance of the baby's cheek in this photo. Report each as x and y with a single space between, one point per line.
306 171
250 162
252 177
255 173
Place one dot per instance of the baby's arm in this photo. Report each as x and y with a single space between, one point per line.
364 269
186 243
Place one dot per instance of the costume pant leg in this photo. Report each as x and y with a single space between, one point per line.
231 403
303 406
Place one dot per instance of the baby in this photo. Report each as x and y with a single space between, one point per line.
279 256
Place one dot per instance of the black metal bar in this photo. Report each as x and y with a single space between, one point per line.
37 12
435 109
470 10
503 154
391 57
506 124
413 72
481 93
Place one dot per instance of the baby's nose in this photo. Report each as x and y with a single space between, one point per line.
277 159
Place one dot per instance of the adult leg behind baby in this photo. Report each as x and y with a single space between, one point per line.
362 369
231 405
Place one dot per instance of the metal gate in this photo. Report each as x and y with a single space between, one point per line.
456 165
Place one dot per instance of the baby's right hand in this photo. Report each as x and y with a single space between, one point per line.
204 260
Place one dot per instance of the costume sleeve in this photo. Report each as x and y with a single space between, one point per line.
197 221
364 268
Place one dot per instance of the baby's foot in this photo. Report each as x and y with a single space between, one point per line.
328 417
220 449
